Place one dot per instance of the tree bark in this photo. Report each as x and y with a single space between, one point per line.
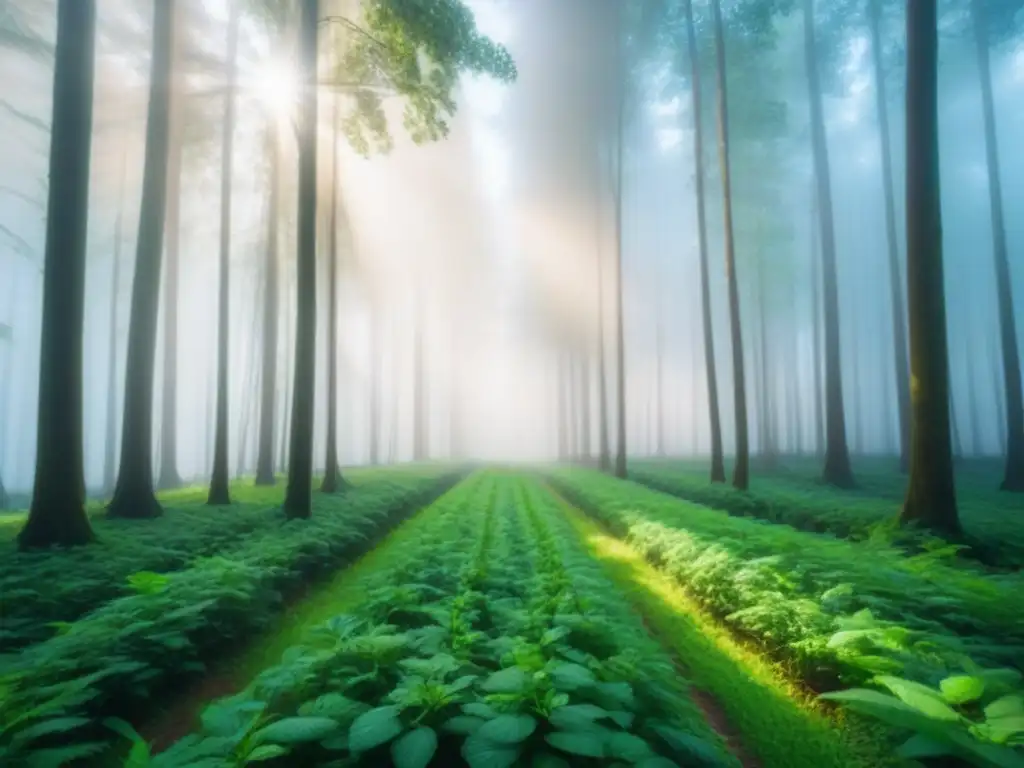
998 399
741 471
1013 473
604 455
133 494
931 492
585 439
769 445
220 492
899 327
168 476
837 469
286 394
332 475
817 362
57 514
620 336
268 377
110 440
299 496
710 368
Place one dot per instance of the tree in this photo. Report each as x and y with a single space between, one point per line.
133 494
899 328
1013 474
110 442
57 514
620 335
931 491
332 475
837 469
220 492
710 368
741 471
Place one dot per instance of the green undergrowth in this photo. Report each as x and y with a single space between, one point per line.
43 590
838 617
794 495
492 640
129 653
778 721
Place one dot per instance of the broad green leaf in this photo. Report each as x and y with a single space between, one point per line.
548 760
334 706
508 680
484 753
414 749
922 698
575 717
1006 706
463 724
1002 729
296 730
920 746
508 729
656 762
569 677
373 728
479 709
628 747
582 743
961 689
266 752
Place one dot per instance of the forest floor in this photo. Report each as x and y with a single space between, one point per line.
553 617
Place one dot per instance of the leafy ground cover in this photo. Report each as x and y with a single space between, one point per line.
44 590
793 495
838 616
493 640
126 654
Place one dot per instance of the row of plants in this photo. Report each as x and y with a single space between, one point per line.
868 513
132 652
44 590
839 617
487 646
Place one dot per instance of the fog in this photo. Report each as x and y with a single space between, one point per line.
489 244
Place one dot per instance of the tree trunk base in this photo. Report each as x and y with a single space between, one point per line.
134 505
1013 483
219 496
333 482
266 478
74 530
940 518
169 480
839 475
717 470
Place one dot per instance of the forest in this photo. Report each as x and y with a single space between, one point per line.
497 383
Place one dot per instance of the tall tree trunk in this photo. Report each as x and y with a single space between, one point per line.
741 471
332 475
299 496
794 377
376 355
620 335
659 389
604 459
57 515
420 439
899 322
931 491
219 490
977 448
817 362
268 377
1013 474
585 439
837 469
856 408
954 421
168 476
998 399
133 494
286 394
563 406
110 441
889 441
769 445
710 368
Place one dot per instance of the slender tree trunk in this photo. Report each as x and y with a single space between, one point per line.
1013 475
855 401
219 489
899 327
168 476
620 335
769 447
890 441
818 363
563 407
604 446
977 449
585 439
794 377
420 440
998 399
268 378
286 395
931 492
741 471
837 469
110 441
133 494
376 354
710 368
332 475
954 421
299 496
57 514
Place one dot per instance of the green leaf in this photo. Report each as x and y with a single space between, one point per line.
508 680
373 728
508 729
656 762
569 677
628 747
688 745
464 725
548 760
961 689
1006 706
414 749
266 752
920 746
57 725
583 743
296 730
922 698
575 717
1002 729
479 709
483 753
332 705
884 707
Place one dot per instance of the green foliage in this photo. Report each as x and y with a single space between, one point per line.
495 641
123 654
414 49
